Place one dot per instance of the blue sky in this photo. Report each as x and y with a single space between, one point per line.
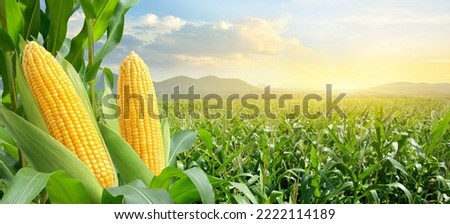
291 43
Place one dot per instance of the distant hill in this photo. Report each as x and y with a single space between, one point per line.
412 89
205 85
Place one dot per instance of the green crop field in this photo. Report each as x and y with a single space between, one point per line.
387 150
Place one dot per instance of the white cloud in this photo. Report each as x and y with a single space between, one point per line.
222 25
252 47
148 27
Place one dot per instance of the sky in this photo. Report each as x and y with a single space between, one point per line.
290 43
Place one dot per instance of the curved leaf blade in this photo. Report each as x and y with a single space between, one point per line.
63 189
201 182
26 185
31 12
180 142
58 13
125 159
137 193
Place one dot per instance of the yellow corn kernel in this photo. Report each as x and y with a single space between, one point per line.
139 118
64 113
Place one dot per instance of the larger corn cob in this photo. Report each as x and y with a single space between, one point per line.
139 121
64 113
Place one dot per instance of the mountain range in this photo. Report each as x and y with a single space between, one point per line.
205 85
214 84
411 89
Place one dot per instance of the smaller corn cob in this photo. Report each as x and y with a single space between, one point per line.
64 113
139 121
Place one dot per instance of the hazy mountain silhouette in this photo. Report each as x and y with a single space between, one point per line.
207 84
412 89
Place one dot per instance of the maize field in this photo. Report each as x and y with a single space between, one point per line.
59 145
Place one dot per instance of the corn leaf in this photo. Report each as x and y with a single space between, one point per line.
115 28
8 167
180 142
26 185
245 190
46 154
31 12
137 192
165 131
58 13
14 19
62 189
6 66
190 186
125 159
88 9
201 182
103 12
8 143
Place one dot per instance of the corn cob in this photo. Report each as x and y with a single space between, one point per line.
139 121
64 113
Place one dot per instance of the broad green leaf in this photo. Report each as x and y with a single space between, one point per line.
369 171
245 190
165 178
58 13
391 185
206 138
6 43
125 159
107 198
7 144
115 28
92 72
183 191
31 12
439 128
63 189
187 186
26 185
165 131
10 11
336 192
8 166
398 166
136 192
181 141
114 36
274 196
104 10
201 182
46 154
44 27
240 199
88 9
110 75
7 57
314 158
